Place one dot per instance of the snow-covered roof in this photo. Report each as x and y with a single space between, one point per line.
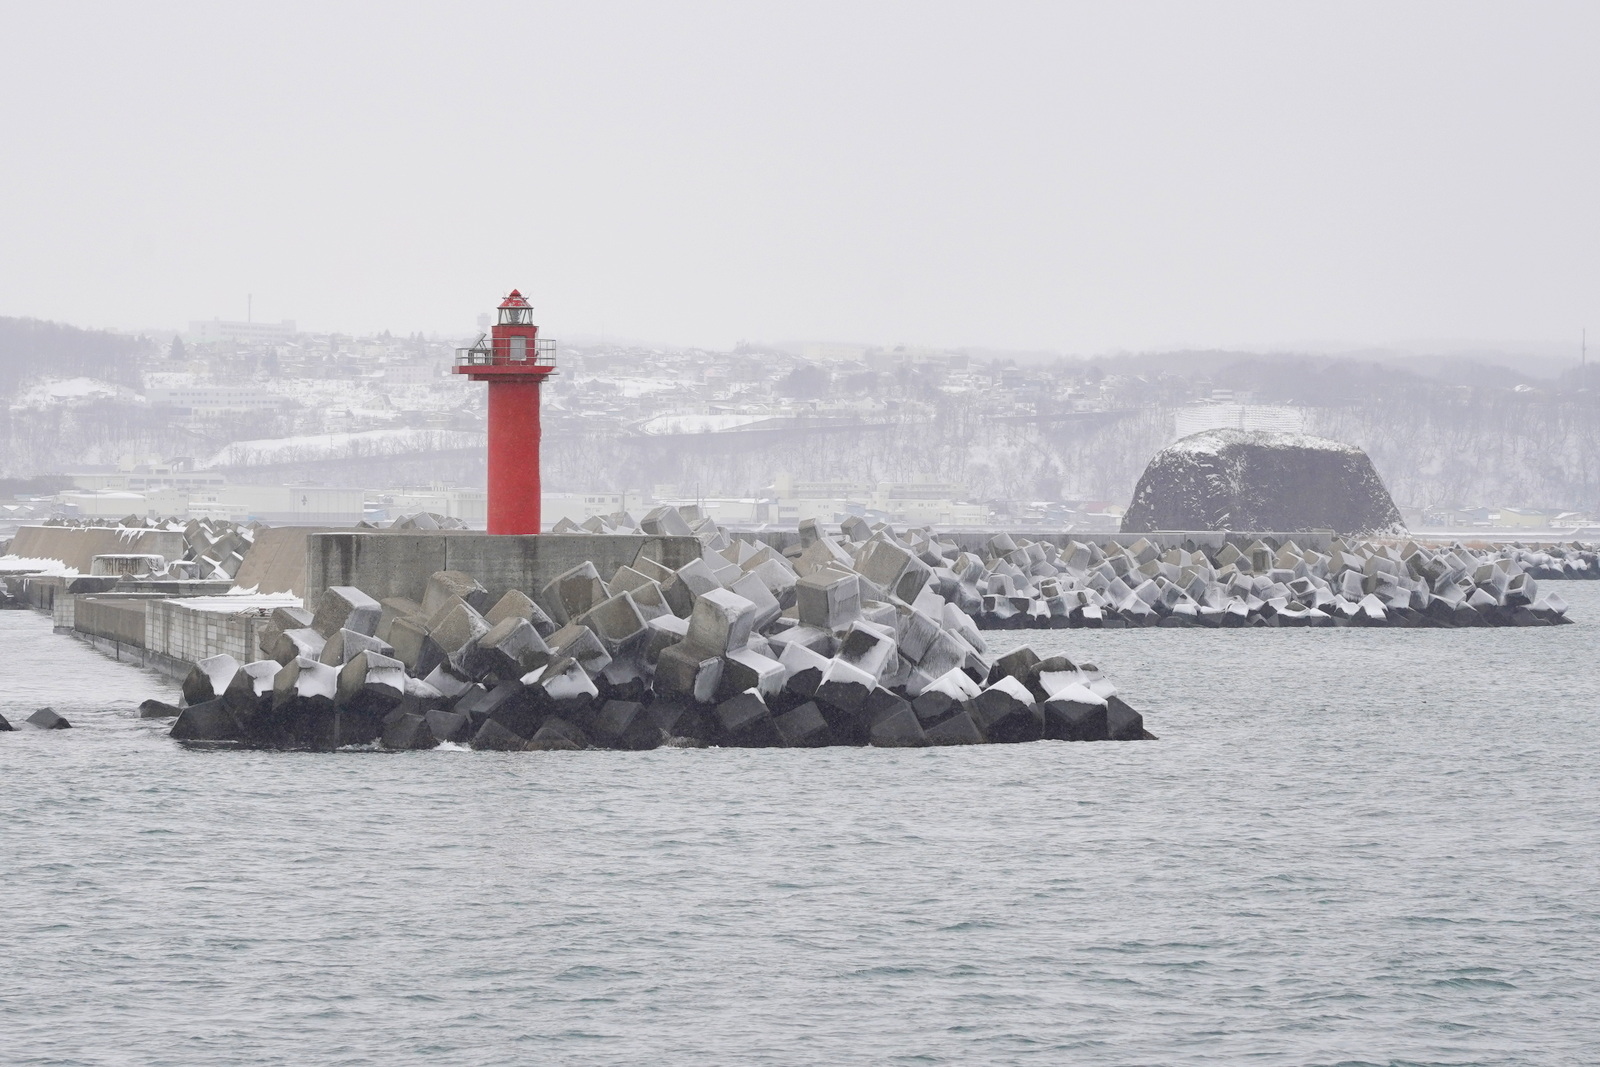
36 565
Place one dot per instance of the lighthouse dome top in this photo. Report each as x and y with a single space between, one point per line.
515 310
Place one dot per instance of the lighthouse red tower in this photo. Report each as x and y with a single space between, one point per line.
515 361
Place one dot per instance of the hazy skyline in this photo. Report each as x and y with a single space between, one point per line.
1069 177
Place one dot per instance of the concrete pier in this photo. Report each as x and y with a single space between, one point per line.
165 634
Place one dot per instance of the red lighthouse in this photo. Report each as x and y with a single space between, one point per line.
515 361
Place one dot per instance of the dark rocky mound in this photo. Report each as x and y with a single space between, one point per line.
1259 480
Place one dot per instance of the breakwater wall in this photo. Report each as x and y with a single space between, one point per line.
263 559
385 563
76 546
164 633
275 562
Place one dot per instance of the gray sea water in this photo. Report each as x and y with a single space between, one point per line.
1349 846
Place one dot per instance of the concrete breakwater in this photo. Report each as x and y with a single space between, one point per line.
151 559
1268 582
165 600
1211 581
734 647
162 594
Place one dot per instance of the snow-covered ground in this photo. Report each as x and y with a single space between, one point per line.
51 392
675 424
629 387
341 445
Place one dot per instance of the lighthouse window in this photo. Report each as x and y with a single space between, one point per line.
519 348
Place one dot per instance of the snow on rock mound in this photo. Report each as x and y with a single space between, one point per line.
1260 480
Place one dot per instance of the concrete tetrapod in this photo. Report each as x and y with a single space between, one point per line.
48 719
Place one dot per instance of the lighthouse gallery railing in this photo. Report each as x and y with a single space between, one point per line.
500 352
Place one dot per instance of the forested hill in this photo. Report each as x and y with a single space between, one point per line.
31 347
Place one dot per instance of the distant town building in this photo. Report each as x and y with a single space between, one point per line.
214 399
140 477
939 503
918 501
836 352
1523 517
1199 417
308 505
116 504
589 503
467 504
409 373
1494 518
247 333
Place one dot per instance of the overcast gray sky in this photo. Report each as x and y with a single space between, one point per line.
1077 177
